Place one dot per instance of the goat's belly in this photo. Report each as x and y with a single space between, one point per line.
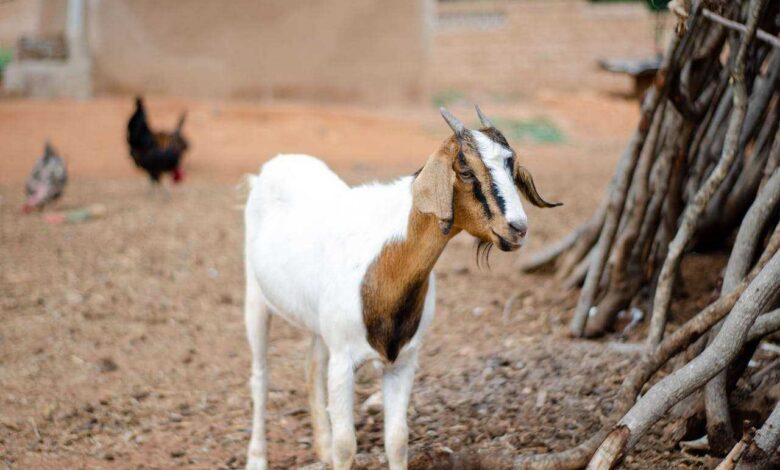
288 277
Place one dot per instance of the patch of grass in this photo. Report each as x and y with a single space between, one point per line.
6 55
540 130
447 97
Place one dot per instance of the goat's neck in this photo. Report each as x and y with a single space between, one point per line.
414 256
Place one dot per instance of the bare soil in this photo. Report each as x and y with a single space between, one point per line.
122 339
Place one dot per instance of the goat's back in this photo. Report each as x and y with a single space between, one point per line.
295 180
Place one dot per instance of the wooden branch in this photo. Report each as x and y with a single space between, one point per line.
585 244
760 34
651 407
766 324
619 189
577 275
732 200
765 443
693 211
773 161
736 452
713 131
748 237
549 254
749 182
577 457
720 430
622 284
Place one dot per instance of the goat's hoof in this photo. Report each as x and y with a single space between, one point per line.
324 455
257 463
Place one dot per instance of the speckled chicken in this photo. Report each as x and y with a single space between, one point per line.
47 180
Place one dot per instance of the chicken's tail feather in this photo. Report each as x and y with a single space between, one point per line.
180 123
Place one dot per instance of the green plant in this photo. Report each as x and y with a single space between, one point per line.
6 55
539 129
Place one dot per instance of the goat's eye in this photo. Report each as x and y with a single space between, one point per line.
467 175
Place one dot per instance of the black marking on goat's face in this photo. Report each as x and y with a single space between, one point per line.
481 200
498 197
469 176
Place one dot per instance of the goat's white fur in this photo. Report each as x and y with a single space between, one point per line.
310 239
496 157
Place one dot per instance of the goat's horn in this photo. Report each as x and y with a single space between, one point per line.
482 118
456 126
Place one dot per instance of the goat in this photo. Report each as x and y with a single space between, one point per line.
353 265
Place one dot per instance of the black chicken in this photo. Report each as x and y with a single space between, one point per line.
155 152
47 180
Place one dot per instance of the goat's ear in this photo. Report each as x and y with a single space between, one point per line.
525 183
432 189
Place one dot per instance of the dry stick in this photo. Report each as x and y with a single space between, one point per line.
720 431
702 137
748 237
774 158
582 238
736 452
620 290
632 246
585 242
733 196
766 324
663 293
662 180
578 273
761 34
764 88
578 456
765 443
549 254
754 381
673 388
749 182
618 190
705 150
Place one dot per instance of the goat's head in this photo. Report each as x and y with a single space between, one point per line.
473 183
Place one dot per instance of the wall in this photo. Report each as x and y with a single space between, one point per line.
522 47
18 17
324 49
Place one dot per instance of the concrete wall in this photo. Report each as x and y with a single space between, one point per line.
324 49
18 17
522 47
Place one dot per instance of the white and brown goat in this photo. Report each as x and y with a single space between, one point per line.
354 267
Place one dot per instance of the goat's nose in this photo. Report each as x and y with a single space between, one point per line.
519 228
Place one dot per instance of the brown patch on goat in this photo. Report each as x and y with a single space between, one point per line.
394 287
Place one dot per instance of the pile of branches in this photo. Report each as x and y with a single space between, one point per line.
700 171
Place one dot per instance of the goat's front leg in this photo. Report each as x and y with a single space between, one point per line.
341 384
316 380
258 321
397 383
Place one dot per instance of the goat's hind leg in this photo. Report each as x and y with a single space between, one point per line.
316 375
258 321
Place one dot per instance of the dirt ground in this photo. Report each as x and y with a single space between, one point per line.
122 339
